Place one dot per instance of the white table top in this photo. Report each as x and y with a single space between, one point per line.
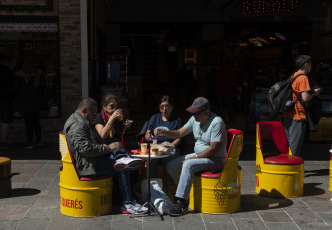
146 156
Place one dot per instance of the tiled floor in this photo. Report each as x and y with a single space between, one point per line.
34 204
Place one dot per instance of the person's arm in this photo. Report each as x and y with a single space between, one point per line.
148 135
172 134
207 153
104 130
80 141
307 96
176 142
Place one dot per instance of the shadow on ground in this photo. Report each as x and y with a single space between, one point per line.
253 202
18 192
310 189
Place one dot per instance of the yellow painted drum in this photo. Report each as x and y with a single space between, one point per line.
216 196
220 193
279 174
82 197
330 188
279 180
5 177
85 198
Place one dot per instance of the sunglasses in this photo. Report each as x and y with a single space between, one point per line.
113 106
164 106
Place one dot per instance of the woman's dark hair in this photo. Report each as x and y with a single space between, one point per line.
168 99
108 98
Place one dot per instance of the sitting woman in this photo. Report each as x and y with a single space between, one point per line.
165 120
109 124
111 128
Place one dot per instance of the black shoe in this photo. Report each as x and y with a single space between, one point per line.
179 208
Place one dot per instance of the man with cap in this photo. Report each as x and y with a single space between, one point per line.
209 153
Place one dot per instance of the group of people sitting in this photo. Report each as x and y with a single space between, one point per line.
95 141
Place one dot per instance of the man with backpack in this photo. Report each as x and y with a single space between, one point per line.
295 119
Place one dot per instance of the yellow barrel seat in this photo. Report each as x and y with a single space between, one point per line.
220 192
86 196
5 177
278 172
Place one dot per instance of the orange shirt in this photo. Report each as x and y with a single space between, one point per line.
300 85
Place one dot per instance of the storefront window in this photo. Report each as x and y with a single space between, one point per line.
38 45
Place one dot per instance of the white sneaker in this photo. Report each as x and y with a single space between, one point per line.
127 164
133 208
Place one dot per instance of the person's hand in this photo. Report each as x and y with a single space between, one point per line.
189 158
148 136
116 114
115 145
128 123
317 91
158 132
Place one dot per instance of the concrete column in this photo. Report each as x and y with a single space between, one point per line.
84 48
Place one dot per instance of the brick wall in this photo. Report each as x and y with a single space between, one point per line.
70 75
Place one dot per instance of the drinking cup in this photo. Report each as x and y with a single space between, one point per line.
144 147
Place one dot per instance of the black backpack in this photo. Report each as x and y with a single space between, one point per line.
280 95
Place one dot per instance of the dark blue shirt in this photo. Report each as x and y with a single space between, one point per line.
156 121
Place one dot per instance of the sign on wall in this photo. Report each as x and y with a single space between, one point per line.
28 27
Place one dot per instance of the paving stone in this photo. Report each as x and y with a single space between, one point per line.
43 213
219 226
303 216
64 225
208 218
99 226
319 206
47 202
32 224
22 197
21 178
13 212
37 184
191 219
60 218
154 222
282 226
45 175
245 224
276 216
8 225
124 222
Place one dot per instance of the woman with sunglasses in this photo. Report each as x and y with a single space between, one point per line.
165 120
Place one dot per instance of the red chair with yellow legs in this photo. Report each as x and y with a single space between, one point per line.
220 192
278 172
82 196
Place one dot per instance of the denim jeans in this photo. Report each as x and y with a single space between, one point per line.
189 168
167 181
104 165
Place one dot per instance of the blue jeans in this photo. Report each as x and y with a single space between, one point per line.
167 180
189 168
104 165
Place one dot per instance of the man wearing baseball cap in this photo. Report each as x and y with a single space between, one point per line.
209 153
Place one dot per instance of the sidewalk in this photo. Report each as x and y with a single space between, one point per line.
34 203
